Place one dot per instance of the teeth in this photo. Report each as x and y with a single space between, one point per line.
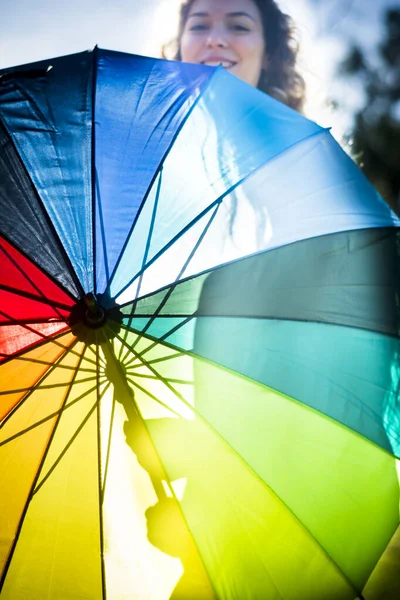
225 64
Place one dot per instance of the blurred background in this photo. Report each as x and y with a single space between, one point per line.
350 57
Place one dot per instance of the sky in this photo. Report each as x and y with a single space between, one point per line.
32 31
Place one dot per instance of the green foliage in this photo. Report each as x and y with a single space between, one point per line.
376 135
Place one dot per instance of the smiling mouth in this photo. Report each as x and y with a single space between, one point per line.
226 64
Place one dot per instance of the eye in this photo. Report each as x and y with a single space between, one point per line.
239 28
198 27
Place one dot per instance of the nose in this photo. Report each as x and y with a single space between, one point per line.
216 38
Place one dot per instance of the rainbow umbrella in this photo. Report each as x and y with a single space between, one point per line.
199 341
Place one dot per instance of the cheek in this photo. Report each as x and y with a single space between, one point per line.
253 50
189 48
251 53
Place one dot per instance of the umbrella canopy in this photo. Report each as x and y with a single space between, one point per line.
199 341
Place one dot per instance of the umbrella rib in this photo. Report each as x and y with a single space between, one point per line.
159 377
46 216
178 504
170 379
102 231
201 418
202 273
26 276
193 354
72 439
250 468
99 466
30 495
154 361
139 386
90 349
49 364
154 178
23 322
166 335
127 331
148 242
183 269
119 380
172 286
153 397
50 416
353 398
51 338
91 106
31 389
156 484
199 275
26 323
103 488
42 299
165 315
45 387
151 229
107 459
185 280
218 201
372 414
45 273
67 446
215 203
155 343
19 355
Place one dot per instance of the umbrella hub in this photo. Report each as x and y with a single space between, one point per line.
95 312
94 315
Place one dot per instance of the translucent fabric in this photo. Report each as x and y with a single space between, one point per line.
199 343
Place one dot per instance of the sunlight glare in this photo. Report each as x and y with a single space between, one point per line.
164 25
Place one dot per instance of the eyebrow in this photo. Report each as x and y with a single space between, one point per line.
232 14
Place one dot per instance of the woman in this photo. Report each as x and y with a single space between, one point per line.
252 39
247 541
256 42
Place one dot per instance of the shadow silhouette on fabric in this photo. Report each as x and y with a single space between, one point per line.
166 526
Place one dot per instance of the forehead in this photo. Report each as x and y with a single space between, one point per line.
223 7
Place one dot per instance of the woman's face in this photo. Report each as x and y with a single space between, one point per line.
227 32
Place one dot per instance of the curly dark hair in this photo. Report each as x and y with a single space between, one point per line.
280 79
